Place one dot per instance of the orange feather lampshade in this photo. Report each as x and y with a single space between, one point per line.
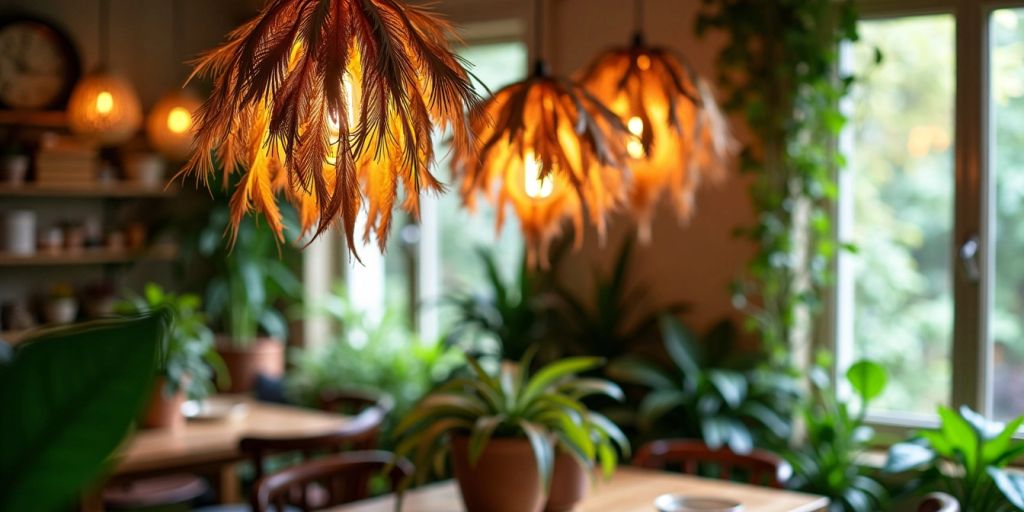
550 150
169 125
105 108
333 103
679 135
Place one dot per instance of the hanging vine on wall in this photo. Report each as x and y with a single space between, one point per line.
780 71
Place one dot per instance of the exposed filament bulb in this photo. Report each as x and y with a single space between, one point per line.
635 146
536 188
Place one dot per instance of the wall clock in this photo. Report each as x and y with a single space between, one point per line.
38 64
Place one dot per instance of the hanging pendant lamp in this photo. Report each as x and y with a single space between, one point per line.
335 103
170 126
104 106
680 137
551 150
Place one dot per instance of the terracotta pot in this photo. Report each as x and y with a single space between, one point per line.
164 411
504 479
265 356
570 483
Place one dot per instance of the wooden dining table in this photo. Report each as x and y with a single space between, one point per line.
630 490
211 446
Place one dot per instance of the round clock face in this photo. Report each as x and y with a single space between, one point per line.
38 66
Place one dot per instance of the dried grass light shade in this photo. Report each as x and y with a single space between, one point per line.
104 107
553 152
169 124
680 137
335 103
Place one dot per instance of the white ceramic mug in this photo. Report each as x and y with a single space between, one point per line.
19 228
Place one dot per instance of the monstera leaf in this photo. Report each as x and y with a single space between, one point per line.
68 398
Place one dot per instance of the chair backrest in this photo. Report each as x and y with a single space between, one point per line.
938 502
343 478
360 433
696 458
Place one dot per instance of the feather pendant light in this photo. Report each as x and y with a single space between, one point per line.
550 150
679 135
333 103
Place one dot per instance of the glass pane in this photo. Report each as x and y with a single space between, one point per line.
1007 315
462 232
902 185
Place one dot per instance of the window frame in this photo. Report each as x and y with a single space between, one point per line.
971 351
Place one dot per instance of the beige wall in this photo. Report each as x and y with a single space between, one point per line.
693 263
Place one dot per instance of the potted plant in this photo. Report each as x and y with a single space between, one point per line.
519 442
966 457
249 288
516 315
710 391
189 361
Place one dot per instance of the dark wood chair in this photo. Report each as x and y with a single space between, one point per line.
696 458
341 478
361 433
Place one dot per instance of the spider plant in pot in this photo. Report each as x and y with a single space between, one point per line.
519 442
189 363
253 282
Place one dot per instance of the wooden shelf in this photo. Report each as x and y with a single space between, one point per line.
125 189
34 118
100 256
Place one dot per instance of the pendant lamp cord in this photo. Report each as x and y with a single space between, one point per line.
176 32
104 34
638 22
540 66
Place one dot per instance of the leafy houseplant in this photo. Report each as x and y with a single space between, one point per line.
609 328
826 462
69 396
967 456
369 355
709 393
514 314
504 428
252 283
189 361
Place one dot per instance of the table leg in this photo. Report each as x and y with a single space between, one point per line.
230 485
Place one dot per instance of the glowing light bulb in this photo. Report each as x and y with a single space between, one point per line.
536 187
179 120
643 62
104 102
635 146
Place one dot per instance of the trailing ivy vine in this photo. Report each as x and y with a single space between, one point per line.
779 70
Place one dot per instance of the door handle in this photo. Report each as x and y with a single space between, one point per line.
970 258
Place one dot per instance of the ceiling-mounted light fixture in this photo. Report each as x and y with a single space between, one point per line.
679 135
334 102
104 106
548 148
169 125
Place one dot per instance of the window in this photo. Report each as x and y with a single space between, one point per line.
934 200
901 213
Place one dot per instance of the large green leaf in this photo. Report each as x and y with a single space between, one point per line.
961 436
68 399
907 456
731 385
552 373
993 451
638 371
483 429
868 378
681 345
1010 484
543 450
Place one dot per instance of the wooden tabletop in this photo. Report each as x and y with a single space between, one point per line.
630 490
215 442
